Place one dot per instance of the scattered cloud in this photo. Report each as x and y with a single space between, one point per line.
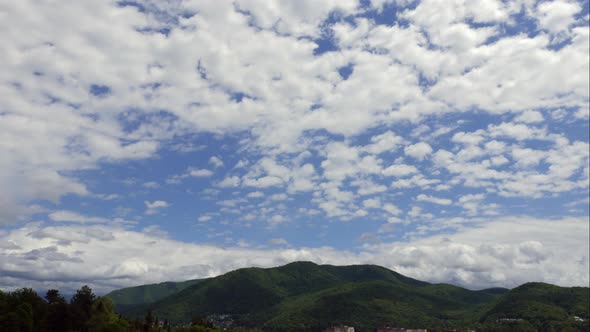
71 216
418 150
467 110
155 206
500 252
216 162
435 200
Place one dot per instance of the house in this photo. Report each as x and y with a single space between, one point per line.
340 328
390 329
398 329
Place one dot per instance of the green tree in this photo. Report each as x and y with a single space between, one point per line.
9 321
199 321
81 306
103 317
148 321
57 312
52 296
24 314
35 311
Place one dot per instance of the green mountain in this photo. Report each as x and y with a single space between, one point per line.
541 304
132 296
304 296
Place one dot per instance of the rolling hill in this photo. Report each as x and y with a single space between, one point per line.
128 297
305 296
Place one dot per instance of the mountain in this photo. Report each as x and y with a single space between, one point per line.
305 296
541 304
140 295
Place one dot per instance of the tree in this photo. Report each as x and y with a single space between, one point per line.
36 310
24 313
103 317
84 298
81 306
57 313
199 321
53 297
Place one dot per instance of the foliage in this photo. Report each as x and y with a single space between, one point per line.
306 297
80 308
104 319
126 297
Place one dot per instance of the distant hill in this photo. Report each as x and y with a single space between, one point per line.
145 294
304 296
537 302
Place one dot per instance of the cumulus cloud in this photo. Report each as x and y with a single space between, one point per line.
530 117
400 170
190 172
155 206
216 162
557 16
325 113
200 173
230 181
71 216
435 200
204 218
500 252
418 150
278 241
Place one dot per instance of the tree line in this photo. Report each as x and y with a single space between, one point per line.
25 311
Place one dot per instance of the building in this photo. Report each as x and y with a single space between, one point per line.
398 329
340 328
390 329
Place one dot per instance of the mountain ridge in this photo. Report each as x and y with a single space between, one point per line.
305 295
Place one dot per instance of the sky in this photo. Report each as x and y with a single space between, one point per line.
146 141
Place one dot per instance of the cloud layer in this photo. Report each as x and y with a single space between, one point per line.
503 252
369 127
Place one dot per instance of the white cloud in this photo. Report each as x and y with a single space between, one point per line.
200 173
278 197
277 219
275 109
263 182
556 16
500 252
367 187
474 138
386 142
392 209
155 206
418 150
416 181
216 162
204 218
530 117
300 127
71 216
400 170
435 200
151 184
255 194
372 203
278 241
230 181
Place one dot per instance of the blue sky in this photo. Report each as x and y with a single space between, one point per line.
145 141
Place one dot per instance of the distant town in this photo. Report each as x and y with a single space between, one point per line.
398 329
345 328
